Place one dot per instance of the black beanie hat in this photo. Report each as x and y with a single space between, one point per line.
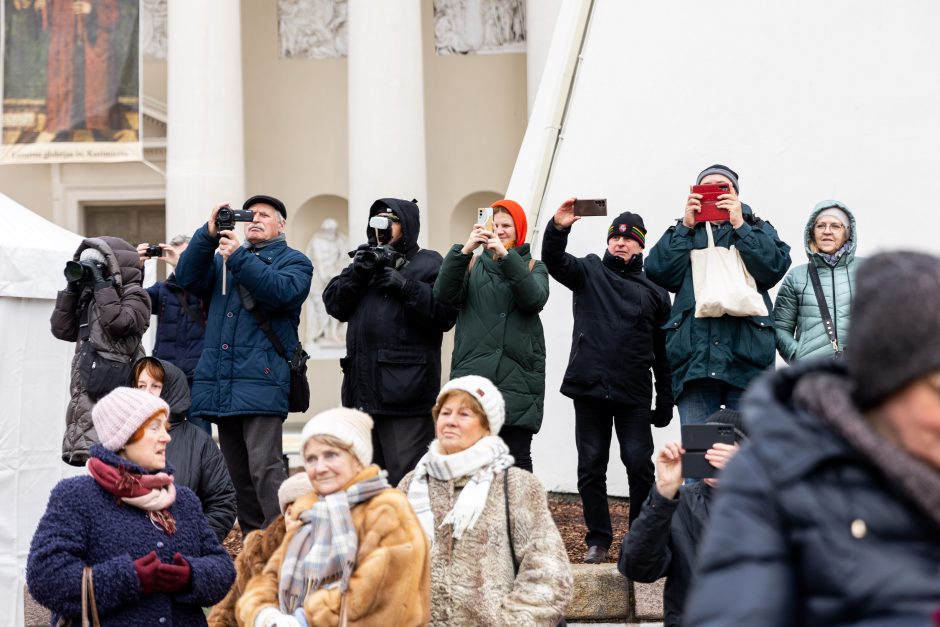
733 418
895 326
266 200
723 170
629 225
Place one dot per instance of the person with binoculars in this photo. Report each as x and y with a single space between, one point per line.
242 382
105 311
392 368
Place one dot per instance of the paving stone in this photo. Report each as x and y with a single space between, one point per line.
648 600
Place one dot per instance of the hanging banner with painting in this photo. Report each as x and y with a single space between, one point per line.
71 81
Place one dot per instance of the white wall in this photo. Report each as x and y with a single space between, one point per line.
806 100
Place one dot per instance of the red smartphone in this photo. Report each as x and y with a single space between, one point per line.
710 193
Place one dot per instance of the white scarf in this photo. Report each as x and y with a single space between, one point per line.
481 462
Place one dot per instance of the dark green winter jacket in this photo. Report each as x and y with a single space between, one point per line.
499 334
798 322
730 349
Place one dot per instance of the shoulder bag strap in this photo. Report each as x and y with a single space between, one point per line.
248 301
823 306
512 549
189 310
89 605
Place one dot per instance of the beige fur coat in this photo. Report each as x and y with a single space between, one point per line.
472 580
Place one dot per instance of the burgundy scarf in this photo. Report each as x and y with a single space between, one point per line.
151 493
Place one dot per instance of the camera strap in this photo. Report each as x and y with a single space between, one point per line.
198 319
84 307
823 306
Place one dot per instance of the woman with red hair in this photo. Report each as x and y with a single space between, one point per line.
500 292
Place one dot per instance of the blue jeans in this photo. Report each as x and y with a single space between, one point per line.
701 398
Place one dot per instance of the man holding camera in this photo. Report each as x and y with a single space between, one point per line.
392 368
616 341
181 317
241 382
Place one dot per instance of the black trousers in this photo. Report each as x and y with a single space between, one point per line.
398 442
519 441
594 419
253 452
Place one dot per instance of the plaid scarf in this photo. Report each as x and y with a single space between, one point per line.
323 550
152 493
481 462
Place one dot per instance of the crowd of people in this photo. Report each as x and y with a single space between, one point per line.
417 504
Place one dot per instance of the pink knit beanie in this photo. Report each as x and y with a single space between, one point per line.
119 414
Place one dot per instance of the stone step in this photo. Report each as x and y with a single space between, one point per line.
601 593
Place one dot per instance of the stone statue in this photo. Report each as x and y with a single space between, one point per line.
328 249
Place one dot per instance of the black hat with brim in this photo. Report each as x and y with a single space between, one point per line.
261 199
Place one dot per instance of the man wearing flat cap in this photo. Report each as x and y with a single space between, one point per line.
241 382
616 342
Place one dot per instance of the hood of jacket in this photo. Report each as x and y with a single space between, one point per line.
122 259
410 218
808 230
175 388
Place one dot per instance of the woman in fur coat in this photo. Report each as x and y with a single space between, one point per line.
496 558
358 556
145 543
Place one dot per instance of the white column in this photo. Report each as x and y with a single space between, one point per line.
205 162
540 19
386 108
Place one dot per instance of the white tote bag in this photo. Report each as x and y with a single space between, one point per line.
722 284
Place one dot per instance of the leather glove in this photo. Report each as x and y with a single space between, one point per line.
390 281
146 568
173 577
662 416
100 280
360 271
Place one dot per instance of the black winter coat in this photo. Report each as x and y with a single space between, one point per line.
617 335
819 520
663 542
393 342
180 334
196 458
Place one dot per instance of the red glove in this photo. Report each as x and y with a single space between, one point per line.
173 577
146 568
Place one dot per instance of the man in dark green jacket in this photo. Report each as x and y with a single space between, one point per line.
714 359
617 340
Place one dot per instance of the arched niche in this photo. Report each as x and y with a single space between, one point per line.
464 215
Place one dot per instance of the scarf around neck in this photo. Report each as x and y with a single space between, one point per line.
280 237
152 493
481 462
323 550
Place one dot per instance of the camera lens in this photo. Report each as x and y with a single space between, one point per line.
73 271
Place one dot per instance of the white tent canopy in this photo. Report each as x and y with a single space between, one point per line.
34 387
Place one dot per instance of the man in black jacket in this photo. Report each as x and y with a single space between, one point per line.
615 342
392 368
664 540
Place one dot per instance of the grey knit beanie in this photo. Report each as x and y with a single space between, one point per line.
895 335
723 170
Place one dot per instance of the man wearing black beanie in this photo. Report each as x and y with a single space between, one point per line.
616 341
831 514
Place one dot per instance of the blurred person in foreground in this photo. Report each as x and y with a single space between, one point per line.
831 514
497 557
141 543
663 541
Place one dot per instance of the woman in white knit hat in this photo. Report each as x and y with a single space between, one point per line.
497 557
810 323
358 555
125 531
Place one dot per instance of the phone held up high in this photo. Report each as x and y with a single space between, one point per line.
696 440
710 193
590 207
485 217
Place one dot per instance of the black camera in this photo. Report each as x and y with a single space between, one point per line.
154 251
81 271
226 217
375 258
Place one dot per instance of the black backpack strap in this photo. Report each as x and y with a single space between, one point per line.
181 297
512 549
823 306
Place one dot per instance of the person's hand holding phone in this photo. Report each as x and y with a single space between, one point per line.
730 203
494 244
479 236
564 215
669 470
720 454
692 206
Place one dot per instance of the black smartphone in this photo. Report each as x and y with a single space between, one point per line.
696 440
590 207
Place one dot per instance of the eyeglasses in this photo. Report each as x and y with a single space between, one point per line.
836 227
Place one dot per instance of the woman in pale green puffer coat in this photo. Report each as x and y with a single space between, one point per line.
831 240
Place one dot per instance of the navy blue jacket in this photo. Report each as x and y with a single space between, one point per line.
393 343
179 336
83 525
239 372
